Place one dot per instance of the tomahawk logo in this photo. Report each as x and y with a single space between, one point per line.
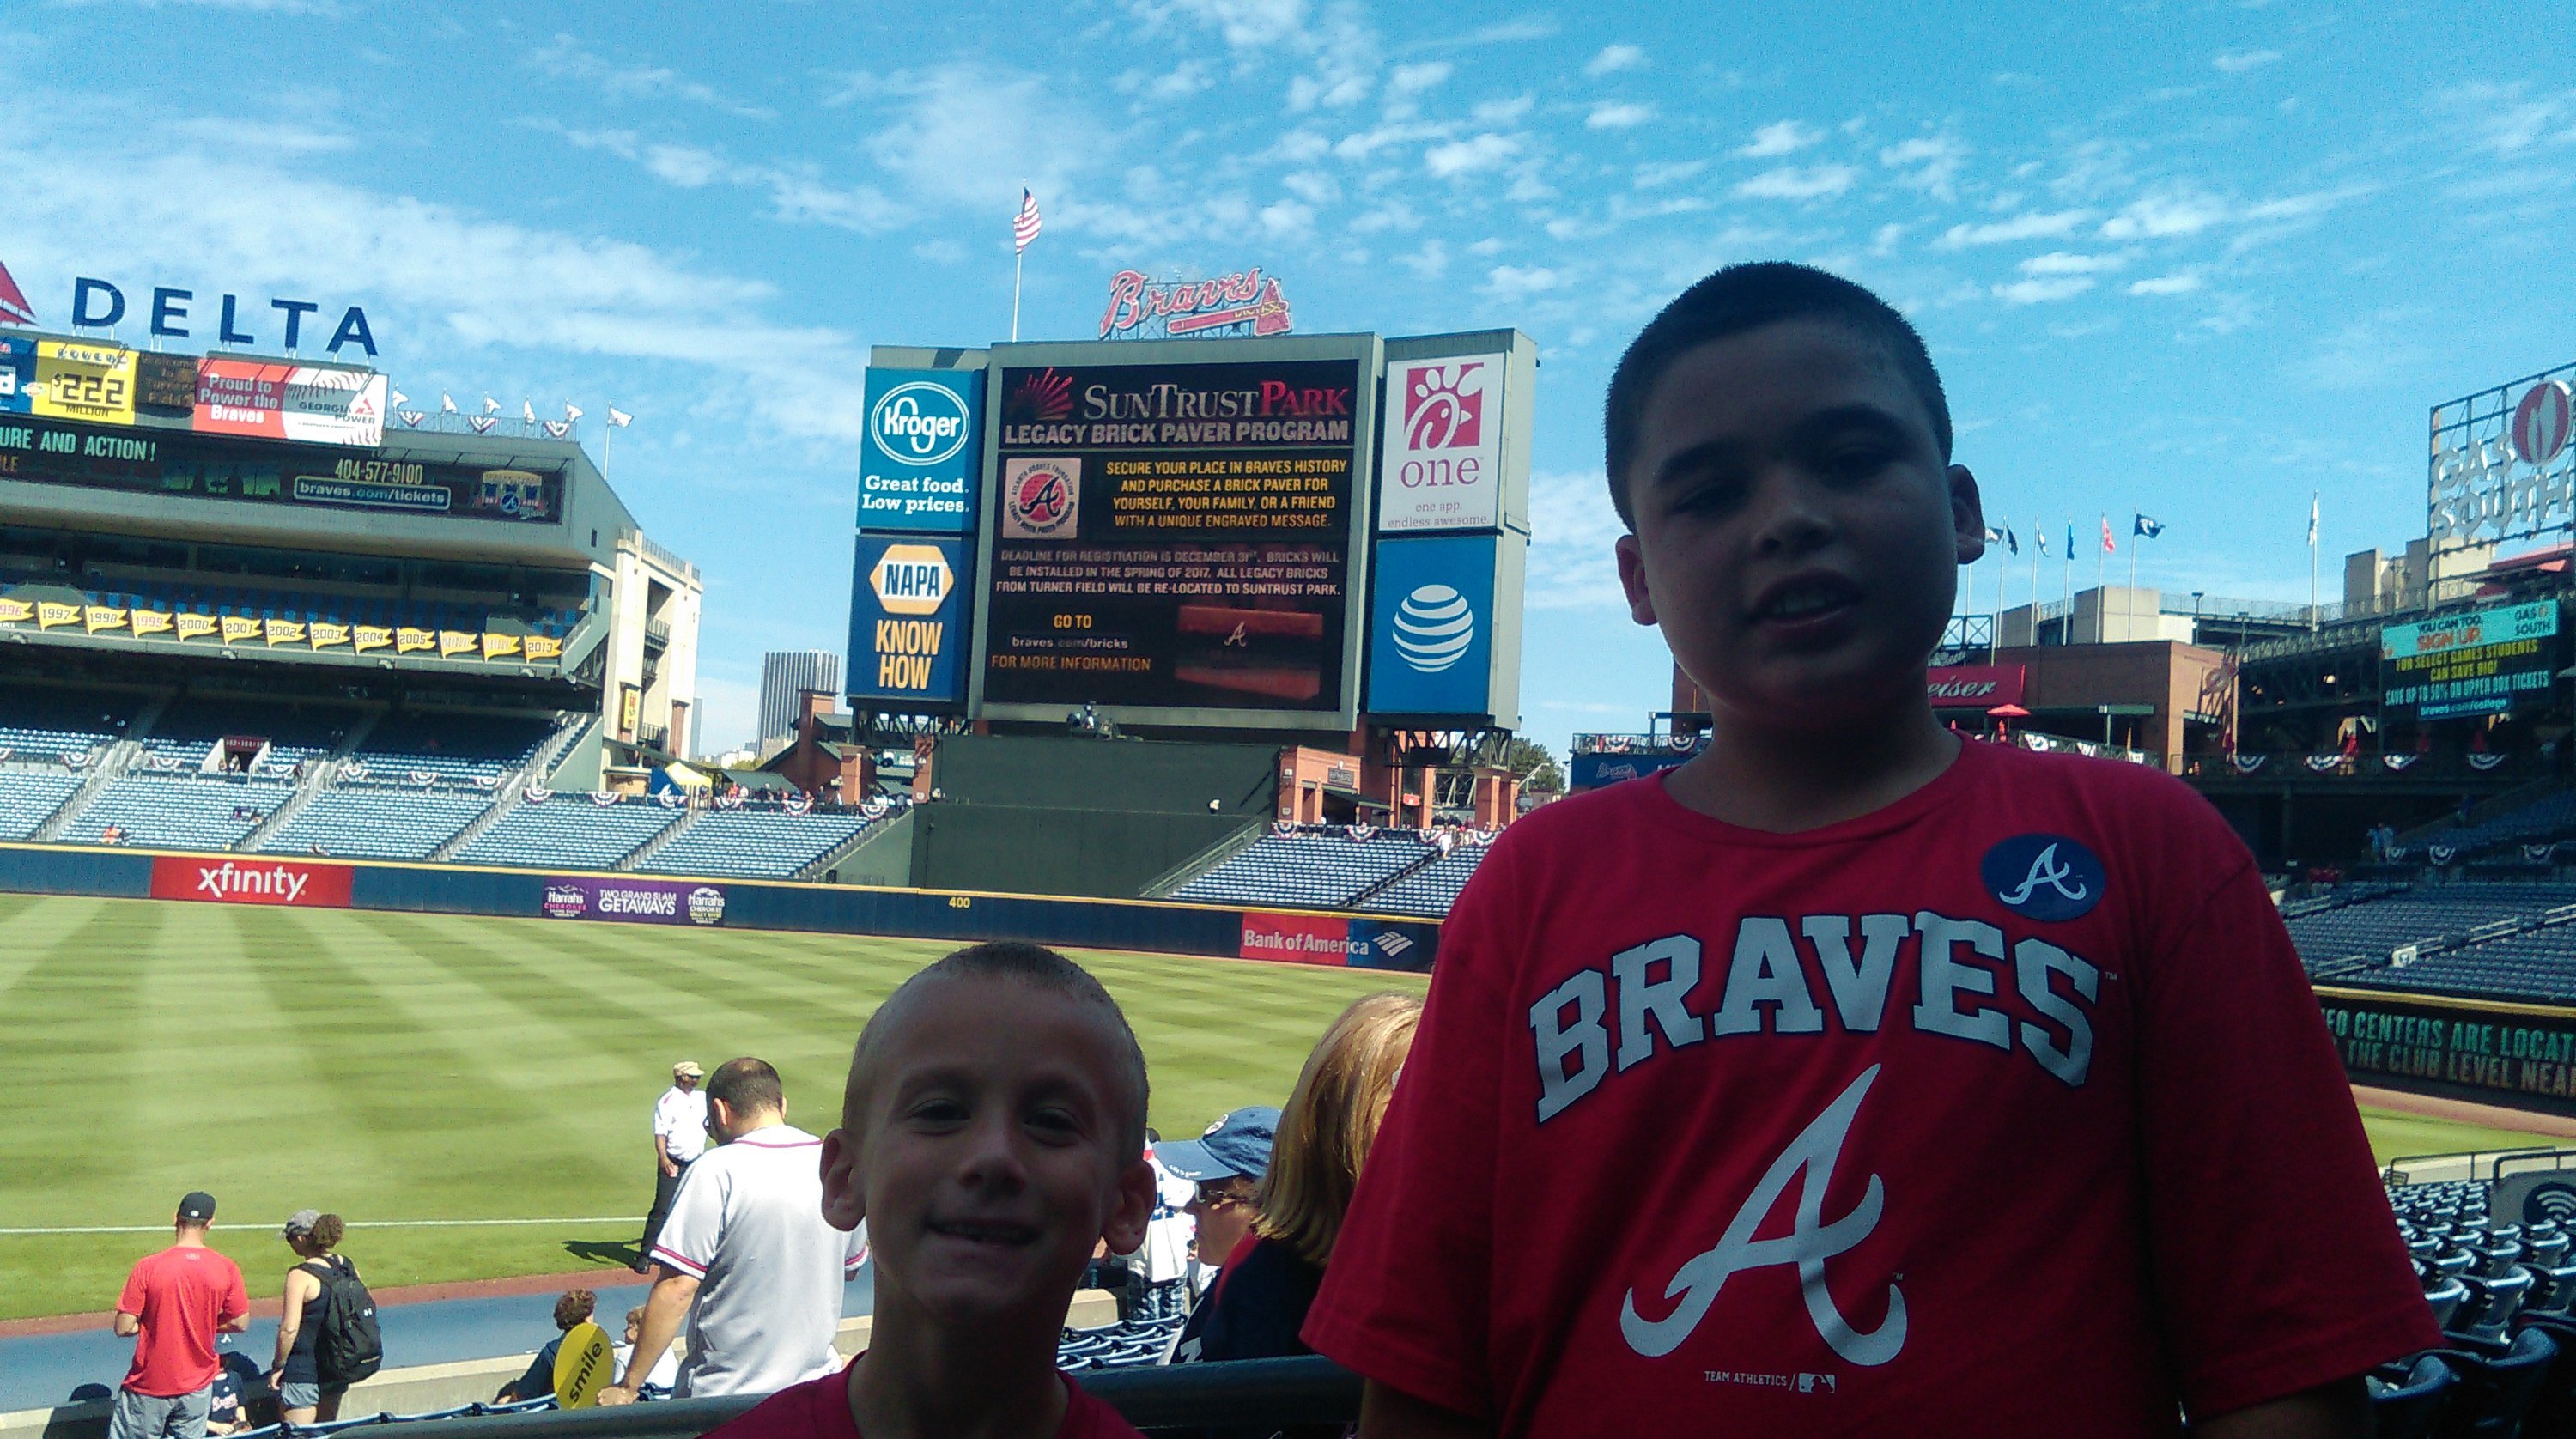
13 301
1812 1155
229 881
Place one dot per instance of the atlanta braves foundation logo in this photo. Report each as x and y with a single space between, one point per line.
1041 499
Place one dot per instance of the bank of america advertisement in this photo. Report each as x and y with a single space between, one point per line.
920 455
908 623
1431 627
1440 448
1175 535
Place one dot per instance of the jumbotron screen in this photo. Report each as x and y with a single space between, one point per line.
1174 535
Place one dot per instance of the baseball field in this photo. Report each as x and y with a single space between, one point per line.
399 1068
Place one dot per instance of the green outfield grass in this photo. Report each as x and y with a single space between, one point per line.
402 1066
2396 1136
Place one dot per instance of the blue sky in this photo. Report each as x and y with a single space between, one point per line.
2196 259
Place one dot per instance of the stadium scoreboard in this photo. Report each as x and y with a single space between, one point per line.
1186 533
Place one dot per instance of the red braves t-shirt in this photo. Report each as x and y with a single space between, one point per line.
182 1295
2003 1110
820 1409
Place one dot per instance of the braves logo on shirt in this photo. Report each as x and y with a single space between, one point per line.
1808 1245
2046 877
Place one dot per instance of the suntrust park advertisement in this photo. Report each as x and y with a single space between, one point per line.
244 880
1176 535
633 901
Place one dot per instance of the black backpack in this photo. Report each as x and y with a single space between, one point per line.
347 1345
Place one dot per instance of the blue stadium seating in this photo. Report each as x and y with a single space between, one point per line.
376 824
2546 820
178 812
48 724
1306 869
753 843
2372 927
1431 889
450 748
191 726
29 797
568 832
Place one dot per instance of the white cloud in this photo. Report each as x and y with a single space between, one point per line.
968 134
1413 79
2036 225
2237 62
1930 164
1572 529
1244 24
1790 182
1186 79
685 165
2507 122
1512 282
2165 214
1618 115
1502 112
2060 262
1781 137
1287 219
2180 284
1467 157
2038 292
1614 58
1430 262
1300 146
1658 173
565 58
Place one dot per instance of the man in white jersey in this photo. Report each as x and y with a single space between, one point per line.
746 1255
679 1137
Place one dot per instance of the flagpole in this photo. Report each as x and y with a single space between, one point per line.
1995 636
2036 550
2312 559
2066 631
2134 537
2101 613
1017 255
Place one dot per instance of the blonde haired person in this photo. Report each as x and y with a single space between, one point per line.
1331 1119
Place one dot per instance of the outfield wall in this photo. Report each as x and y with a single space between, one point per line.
1297 937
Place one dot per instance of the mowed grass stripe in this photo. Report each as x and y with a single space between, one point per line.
440 1066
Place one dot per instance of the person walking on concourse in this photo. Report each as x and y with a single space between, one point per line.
175 1303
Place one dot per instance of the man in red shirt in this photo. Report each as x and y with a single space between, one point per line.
175 1303
1852 1078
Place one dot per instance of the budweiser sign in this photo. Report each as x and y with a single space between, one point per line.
1959 687
1246 302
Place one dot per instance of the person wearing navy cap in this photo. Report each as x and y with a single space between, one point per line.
1226 1163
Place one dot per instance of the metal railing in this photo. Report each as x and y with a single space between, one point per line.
1263 1393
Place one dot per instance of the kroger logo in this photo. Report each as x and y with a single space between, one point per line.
1434 628
919 422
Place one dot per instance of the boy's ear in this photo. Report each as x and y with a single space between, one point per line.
845 1205
1125 1226
1967 514
1632 578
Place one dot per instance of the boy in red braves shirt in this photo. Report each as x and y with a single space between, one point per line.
992 1132
1856 1079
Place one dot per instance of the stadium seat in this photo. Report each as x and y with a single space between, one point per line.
1306 869
2410 1402
29 797
568 832
1431 889
754 843
178 812
2499 1384
47 725
428 747
376 824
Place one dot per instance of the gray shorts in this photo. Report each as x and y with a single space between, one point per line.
151 1416
305 1396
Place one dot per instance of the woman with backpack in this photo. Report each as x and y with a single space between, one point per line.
326 1338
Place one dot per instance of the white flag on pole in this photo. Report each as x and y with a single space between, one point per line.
400 399
491 406
447 402
619 417
571 410
527 410
2312 518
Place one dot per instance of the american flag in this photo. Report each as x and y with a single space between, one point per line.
1024 225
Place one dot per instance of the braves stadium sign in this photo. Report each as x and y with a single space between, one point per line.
1243 303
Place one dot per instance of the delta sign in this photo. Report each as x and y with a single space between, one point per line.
100 304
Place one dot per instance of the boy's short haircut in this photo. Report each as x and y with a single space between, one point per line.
1746 297
575 1307
747 1086
1038 967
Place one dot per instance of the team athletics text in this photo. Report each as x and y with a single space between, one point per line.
1648 988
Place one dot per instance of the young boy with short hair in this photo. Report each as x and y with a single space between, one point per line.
1854 1079
992 1133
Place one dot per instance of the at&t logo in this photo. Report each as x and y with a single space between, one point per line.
1434 628
919 423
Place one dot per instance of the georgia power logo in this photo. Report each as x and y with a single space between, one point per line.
1041 499
919 423
2046 877
911 579
1434 628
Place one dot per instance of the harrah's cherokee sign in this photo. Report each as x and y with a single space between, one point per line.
921 452
1439 448
1243 303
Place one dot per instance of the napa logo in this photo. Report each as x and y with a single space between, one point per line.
911 579
920 423
1434 628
